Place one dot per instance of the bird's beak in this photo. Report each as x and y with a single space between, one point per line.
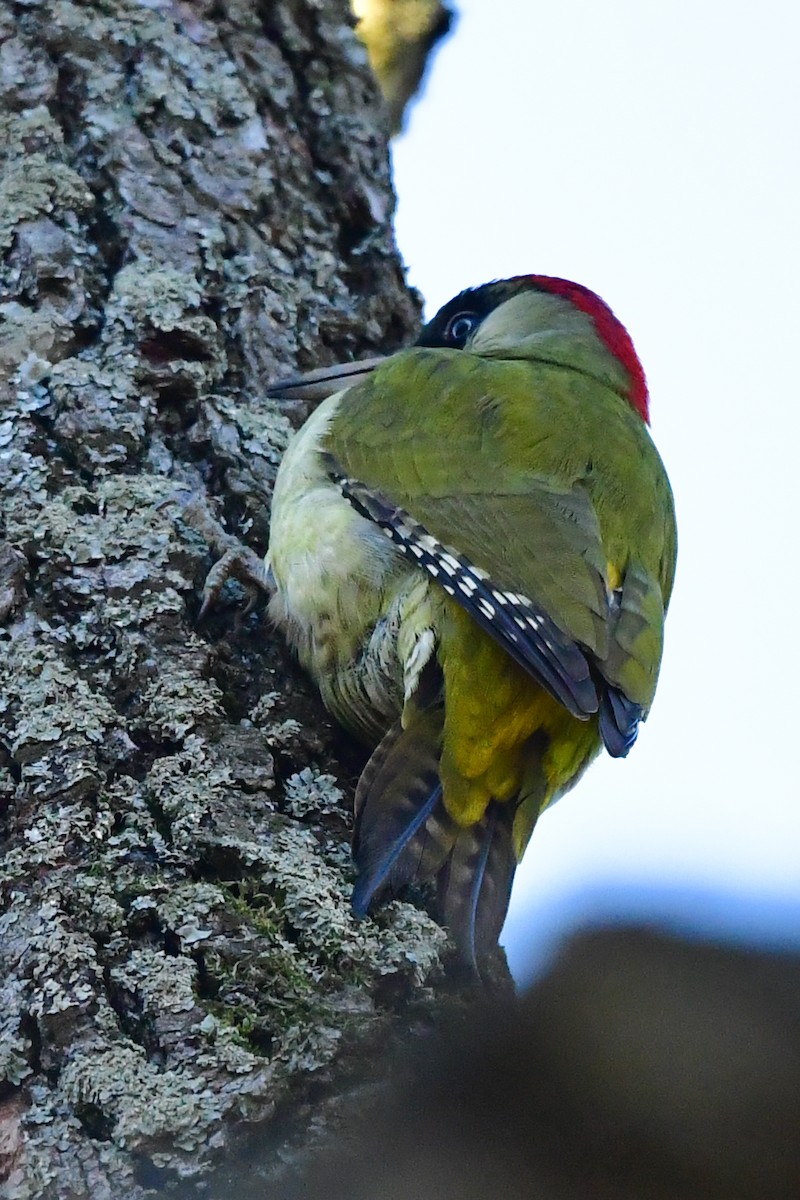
324 381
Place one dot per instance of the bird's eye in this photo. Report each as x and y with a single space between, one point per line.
460 327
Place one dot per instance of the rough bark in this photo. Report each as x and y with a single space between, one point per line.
195 196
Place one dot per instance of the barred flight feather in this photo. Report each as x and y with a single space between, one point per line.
527 634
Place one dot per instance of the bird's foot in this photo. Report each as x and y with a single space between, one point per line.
241 563
236 560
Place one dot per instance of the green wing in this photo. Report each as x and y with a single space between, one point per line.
543 481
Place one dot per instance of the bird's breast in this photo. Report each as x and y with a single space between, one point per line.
339 581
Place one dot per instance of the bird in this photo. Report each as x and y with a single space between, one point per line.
472 550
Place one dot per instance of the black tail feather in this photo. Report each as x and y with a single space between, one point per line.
400 861
404 834
619 721
475 886
372 770
403 831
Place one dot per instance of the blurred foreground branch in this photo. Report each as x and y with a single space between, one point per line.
641 1067
400 36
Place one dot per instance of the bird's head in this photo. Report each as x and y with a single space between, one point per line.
545 319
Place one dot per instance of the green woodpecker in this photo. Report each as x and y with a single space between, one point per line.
473 547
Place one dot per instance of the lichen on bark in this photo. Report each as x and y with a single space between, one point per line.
193 198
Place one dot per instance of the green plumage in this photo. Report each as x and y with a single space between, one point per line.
474 549
537 473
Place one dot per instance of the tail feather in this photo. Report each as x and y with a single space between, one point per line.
403 831
371 771
405 834
619 721
401 860
475 887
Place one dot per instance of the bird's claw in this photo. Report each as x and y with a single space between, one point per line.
245 566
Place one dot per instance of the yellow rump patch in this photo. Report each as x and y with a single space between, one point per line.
494 712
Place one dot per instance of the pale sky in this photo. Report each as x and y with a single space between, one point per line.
652 153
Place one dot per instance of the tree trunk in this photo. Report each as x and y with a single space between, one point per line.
195 197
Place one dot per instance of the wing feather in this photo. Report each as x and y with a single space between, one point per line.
524 631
